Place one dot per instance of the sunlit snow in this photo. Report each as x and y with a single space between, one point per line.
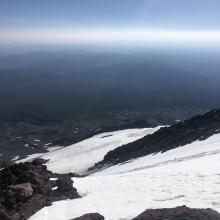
188 175
83 155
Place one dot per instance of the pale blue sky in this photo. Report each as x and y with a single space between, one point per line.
174 15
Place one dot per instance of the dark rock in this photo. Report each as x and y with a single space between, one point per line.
178 213
91 216
4 215
38 161
65 187
76 175
65 184
26 187
21 191
23 173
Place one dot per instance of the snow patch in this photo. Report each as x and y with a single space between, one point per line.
54 188
53 179
15 158
51 149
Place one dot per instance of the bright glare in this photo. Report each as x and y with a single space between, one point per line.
108 35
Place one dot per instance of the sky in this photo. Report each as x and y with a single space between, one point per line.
106 20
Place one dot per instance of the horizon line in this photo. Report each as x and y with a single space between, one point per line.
97 35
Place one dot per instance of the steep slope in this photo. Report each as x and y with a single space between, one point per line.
21 139
80 156
197 128
180 166
188 175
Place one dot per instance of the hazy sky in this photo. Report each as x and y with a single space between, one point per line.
58 20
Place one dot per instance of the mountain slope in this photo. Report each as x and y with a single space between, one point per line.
81 156
187 175
199 127
185 170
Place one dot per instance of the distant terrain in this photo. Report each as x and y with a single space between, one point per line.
47 86
59 98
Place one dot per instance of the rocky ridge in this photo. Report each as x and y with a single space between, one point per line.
199 127
27 187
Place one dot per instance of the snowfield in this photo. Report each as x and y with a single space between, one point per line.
188 175
83 155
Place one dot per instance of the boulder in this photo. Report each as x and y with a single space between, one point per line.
22 191
90 216
38 161
64 184
178 213
26 187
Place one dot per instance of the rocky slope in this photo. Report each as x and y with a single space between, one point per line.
123 190
27 187
199 127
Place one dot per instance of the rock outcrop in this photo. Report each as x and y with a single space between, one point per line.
90 216
27 187
178 213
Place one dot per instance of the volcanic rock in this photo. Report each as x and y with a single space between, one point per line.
25 188
178 213
22 191
90 216
64 184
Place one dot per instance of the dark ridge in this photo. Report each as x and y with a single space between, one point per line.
199 127
25 188
178 213
90 216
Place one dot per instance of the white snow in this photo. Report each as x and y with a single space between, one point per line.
50 149
54 188
30 157
15 158
188 175
83 155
